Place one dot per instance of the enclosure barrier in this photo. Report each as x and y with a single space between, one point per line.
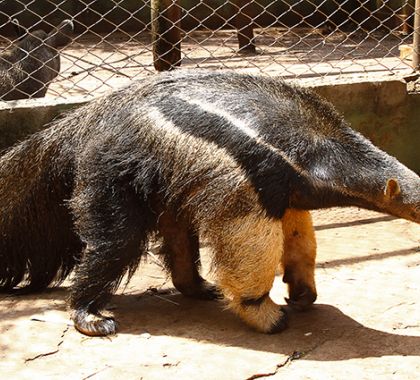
114 41
416 38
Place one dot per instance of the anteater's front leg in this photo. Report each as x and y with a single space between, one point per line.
248 250
113 222
181 250
298 260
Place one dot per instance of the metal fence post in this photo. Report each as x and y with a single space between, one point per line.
166 34
416 38
244 24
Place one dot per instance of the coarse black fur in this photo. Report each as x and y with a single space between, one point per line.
182 154
27 69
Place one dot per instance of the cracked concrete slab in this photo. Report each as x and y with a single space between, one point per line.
365 325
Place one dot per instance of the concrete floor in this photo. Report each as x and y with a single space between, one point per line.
365 324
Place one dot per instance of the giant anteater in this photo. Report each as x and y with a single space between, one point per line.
27 69
233 159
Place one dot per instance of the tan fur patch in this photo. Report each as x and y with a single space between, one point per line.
247 253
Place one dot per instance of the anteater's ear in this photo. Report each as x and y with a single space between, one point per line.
19 30
61 36
392 188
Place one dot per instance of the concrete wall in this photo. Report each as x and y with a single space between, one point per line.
382 111
20 118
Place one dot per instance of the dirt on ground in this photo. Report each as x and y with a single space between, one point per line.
365 324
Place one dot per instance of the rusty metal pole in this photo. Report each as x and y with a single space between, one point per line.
245 25
416 38
166 34
404 17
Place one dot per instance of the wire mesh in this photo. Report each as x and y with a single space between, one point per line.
115 41
308 40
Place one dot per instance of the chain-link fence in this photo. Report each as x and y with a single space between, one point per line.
105 43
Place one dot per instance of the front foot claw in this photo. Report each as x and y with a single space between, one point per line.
301 298
281 324
94 324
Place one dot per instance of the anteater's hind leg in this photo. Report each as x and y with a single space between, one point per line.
113 222
181 250
298 260
247 253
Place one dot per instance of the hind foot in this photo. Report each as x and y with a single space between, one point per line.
93 324
200 289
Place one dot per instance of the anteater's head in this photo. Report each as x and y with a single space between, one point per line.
388 187
351 171
401 196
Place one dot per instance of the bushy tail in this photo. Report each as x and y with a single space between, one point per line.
37 242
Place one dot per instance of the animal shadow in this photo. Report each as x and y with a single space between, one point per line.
323 333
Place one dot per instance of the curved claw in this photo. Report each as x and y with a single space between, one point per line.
204 290
94 324
281 324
